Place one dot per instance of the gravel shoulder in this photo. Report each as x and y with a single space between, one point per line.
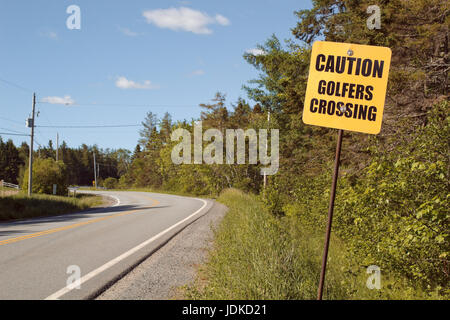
172 266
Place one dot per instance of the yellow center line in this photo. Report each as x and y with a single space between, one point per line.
50 231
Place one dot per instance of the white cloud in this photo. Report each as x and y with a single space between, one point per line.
128 32
49 34
66 100
184 19
124 83
256 52
222 20
198 72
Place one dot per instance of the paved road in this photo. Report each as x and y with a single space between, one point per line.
40 257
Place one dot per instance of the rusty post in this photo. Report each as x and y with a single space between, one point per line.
330 214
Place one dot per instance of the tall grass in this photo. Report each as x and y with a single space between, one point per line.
259 256
20 206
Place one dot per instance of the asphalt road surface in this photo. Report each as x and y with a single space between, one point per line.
42 258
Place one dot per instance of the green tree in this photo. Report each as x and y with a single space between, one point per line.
215 115
10 162
166 128
110 183
46 173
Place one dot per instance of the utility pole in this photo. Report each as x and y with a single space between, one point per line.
95 172
57 144
268 127
30 123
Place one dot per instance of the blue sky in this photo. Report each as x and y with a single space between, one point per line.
169 55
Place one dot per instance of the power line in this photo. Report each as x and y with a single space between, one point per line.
40 146
12 130
14 134
124 105
40 136
87 127
10 120
45 115
16 85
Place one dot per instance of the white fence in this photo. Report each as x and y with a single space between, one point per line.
8 185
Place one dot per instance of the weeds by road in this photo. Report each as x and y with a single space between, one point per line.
260 256
20 206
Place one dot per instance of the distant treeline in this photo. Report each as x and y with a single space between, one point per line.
79 162
152 165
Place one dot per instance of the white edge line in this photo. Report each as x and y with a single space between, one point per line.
115 198
108 196
123 256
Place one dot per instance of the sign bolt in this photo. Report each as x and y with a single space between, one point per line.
350 52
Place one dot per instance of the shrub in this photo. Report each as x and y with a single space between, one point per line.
396 215
46 173
273 199
110 183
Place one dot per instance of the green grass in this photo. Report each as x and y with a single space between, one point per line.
20 206
258 256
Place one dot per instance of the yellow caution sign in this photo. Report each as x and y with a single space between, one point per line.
347 86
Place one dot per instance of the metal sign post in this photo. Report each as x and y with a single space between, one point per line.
330 214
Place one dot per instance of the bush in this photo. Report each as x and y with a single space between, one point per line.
260 256
273 199
46 173
110 183
397 214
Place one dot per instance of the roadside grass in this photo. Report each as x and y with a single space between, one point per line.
20 206
259 256
7 191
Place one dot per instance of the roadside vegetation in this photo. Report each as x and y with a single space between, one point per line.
20 206
392 205
47 172
394 215
257 255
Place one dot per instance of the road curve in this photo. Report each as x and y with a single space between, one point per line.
40 258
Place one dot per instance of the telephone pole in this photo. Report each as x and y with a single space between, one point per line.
30 123
57 144
95 171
